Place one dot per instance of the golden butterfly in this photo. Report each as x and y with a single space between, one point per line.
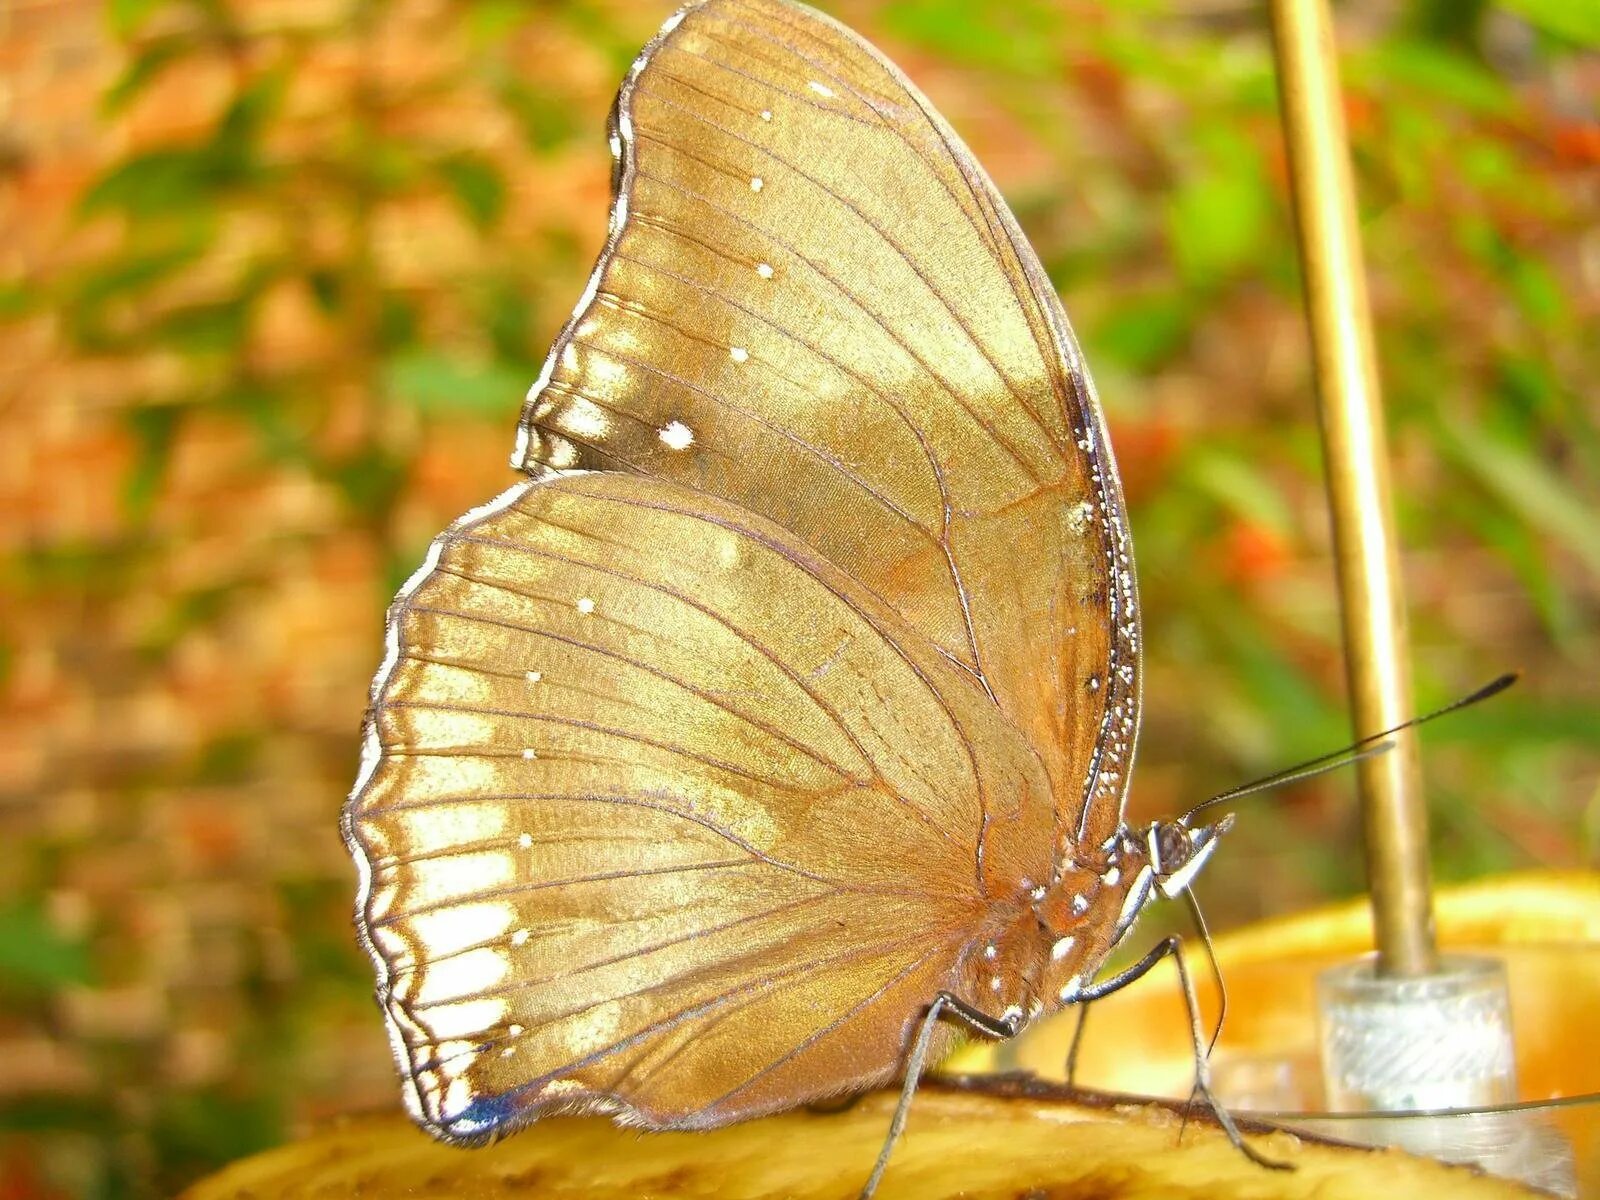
780 721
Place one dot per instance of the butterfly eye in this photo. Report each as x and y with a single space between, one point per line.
1172 847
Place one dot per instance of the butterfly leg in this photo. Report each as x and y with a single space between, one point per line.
1173 946
1077 1042
943 1003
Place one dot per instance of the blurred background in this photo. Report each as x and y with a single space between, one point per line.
275 274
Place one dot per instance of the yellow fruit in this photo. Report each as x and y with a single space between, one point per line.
987 1140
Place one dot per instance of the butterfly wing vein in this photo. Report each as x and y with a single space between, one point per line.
701 764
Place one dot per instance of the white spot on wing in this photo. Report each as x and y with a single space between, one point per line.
739 354
756 183
585 418
821 89
467 1018
676 435
585 605
764 270
605 371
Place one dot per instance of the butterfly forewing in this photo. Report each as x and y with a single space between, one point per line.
815 304
701 763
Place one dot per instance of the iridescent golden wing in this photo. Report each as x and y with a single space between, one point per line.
665 816
701 765
813 303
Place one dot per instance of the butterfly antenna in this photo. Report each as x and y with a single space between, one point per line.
1305 770
1364 748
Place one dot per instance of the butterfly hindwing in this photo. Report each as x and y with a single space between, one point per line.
667 816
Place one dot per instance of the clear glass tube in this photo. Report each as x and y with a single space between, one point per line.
1416 1043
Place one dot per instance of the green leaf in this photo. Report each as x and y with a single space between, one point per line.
1022 37
91 569
1217 218
1142 333
142 70
1454 21
18 299
438 383
1503 531
216 327
328 289
505 311
185 612
154 429
493 22
1239 485
154 183
601 28
229 757
548 119
397 321
127 15
1576 21
1527 486
1539 294
270 412
477 186
1285 698
42 1112
1491 166
175 183
136 271
1432 70
34 956
199 1131
240 130
369 480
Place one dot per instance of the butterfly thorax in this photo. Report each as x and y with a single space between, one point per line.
1092 904
1098 896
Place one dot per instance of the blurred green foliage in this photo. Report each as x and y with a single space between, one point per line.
1151 179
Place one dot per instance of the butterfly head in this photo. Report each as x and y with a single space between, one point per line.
1091 908
1177 852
